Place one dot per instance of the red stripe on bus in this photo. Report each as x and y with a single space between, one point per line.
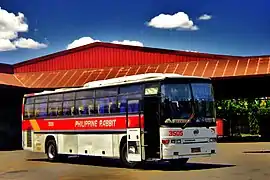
26 125
87 123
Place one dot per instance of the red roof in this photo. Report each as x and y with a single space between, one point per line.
213 68
101 55
97 61
125 47
10 80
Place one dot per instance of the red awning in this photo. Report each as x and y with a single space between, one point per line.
10 80
211 68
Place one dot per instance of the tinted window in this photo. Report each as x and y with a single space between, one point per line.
85 107
122 102
88 94
41 99
55 109
107 92
106 105
29 111
29 100
56 97
133 106
68 108
131 89
202 91
41 110
69 96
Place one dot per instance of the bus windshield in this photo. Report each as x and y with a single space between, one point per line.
184 103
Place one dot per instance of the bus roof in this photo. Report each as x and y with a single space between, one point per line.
120 81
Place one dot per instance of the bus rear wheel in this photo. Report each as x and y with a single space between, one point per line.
51 150
124 157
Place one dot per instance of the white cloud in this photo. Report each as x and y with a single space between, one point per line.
178 20
28 44
11 22
81 42
6 45
8 35
205 17
10 25
128 42
88 40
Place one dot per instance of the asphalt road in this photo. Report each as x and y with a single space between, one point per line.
235 161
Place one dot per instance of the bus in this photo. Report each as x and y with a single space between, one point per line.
139 118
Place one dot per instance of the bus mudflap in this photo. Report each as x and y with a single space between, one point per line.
134 150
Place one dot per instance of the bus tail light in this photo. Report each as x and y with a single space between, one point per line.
165 141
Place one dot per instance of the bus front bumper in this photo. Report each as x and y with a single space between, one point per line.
188 150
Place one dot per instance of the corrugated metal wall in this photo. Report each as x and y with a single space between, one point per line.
100 57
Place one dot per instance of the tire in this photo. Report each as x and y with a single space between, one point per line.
123 158
51 151
178 162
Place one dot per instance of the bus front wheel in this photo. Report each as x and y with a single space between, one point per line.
124 157
51 150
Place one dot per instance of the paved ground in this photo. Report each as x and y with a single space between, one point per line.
234 162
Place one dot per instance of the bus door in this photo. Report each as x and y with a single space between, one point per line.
134 144
151 127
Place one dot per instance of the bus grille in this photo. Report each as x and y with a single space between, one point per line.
29 138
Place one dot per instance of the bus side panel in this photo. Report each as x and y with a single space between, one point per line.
116 144
67 144
39 142
95 144
106 145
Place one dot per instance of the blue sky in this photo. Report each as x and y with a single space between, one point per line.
44 27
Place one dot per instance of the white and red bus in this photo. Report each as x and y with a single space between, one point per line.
135 118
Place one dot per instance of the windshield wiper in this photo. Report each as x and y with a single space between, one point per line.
191 116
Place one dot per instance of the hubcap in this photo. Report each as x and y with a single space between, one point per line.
51 152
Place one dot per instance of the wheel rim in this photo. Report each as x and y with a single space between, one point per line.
51 152
126 155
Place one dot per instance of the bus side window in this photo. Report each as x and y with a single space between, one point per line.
102 105
41 110
55 109
107 105
133 106
122 101
29 111
82 106
68 108
113 108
